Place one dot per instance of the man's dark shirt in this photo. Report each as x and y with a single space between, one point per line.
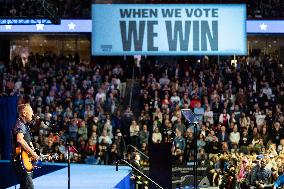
20 127
245 140
260 174
214 147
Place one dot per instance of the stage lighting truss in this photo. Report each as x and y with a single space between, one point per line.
49 15
21 21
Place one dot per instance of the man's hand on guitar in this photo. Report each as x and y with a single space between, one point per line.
35 156
49 157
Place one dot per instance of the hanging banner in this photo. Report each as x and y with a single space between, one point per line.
168 29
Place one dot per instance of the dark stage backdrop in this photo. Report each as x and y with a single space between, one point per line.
161 164
8 116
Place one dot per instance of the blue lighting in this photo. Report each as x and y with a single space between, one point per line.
85 26
66 26
265 26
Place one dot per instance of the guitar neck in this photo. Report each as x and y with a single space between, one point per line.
46 157
43 157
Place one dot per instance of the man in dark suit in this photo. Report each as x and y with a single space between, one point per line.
223 136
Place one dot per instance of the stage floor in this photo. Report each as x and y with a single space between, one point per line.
83 177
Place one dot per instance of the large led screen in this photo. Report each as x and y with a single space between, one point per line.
172 29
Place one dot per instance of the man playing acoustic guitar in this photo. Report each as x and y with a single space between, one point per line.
22 140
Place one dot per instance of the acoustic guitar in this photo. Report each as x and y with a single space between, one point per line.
28 162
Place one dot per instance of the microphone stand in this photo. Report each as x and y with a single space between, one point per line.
195 156
195 124
67 144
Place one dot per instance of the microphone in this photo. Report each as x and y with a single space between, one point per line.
36 117
42 122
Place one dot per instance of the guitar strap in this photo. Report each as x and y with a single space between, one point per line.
29 130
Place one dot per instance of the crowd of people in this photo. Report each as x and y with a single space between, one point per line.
273 9
256 9
260 9
240 111
36 8
239 108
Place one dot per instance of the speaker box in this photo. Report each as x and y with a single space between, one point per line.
161 165
5 50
